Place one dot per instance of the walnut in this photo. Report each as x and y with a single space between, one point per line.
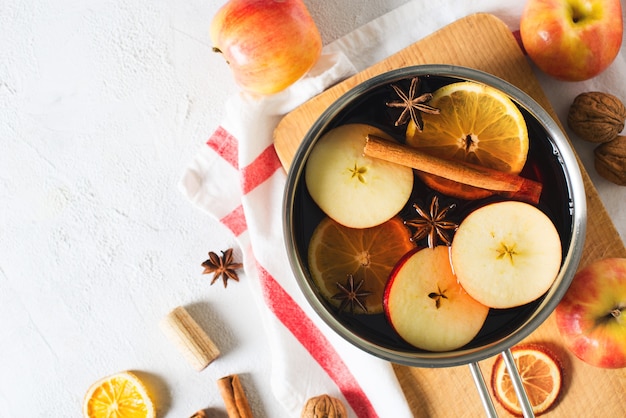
324 406
610 160
596 116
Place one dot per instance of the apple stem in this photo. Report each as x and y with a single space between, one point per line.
615 313
219 51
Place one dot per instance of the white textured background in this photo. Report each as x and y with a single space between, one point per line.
102 105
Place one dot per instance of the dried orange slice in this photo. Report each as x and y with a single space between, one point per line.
121 395
477 124
369 255
541 375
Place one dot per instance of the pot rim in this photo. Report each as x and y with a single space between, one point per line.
577 207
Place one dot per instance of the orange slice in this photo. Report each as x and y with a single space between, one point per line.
369 254
121 395
477 124
541 375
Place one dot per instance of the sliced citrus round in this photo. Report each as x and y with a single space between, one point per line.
121 395
477 124
352 266
541 375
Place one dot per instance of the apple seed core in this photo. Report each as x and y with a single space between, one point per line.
438 296
358 172
506 251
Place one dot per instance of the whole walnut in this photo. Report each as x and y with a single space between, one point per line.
610 160
324 406
596 116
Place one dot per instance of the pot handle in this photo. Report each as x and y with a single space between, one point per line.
509 362
516 380
483 392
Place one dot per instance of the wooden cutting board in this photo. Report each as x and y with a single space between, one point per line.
483 42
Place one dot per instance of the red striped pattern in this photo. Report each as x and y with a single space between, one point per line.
301 326
278 300
260 169
226 145
235 221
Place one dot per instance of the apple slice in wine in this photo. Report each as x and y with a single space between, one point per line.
427 307
355 190
506 254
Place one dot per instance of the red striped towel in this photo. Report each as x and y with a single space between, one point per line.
237 178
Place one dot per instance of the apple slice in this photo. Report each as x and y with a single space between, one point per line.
506 254
427 307
355 190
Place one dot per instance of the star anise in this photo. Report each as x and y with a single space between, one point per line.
412 104
352 295
433 224
223 267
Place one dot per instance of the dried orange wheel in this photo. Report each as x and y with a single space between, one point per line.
476 124
121 395
368 254
541 375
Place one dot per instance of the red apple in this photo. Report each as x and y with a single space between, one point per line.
591 317
269 44
572 40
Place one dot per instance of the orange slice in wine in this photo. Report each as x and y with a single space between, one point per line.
368 255
477 124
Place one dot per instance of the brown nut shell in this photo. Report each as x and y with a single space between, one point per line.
610 160
596 116
324 406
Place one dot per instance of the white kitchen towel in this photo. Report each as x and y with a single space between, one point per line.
237 178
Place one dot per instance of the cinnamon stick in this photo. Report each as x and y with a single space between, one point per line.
499 182
234 397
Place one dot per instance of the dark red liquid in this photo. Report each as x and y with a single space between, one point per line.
543 164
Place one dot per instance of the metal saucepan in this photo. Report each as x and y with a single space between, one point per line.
563 199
